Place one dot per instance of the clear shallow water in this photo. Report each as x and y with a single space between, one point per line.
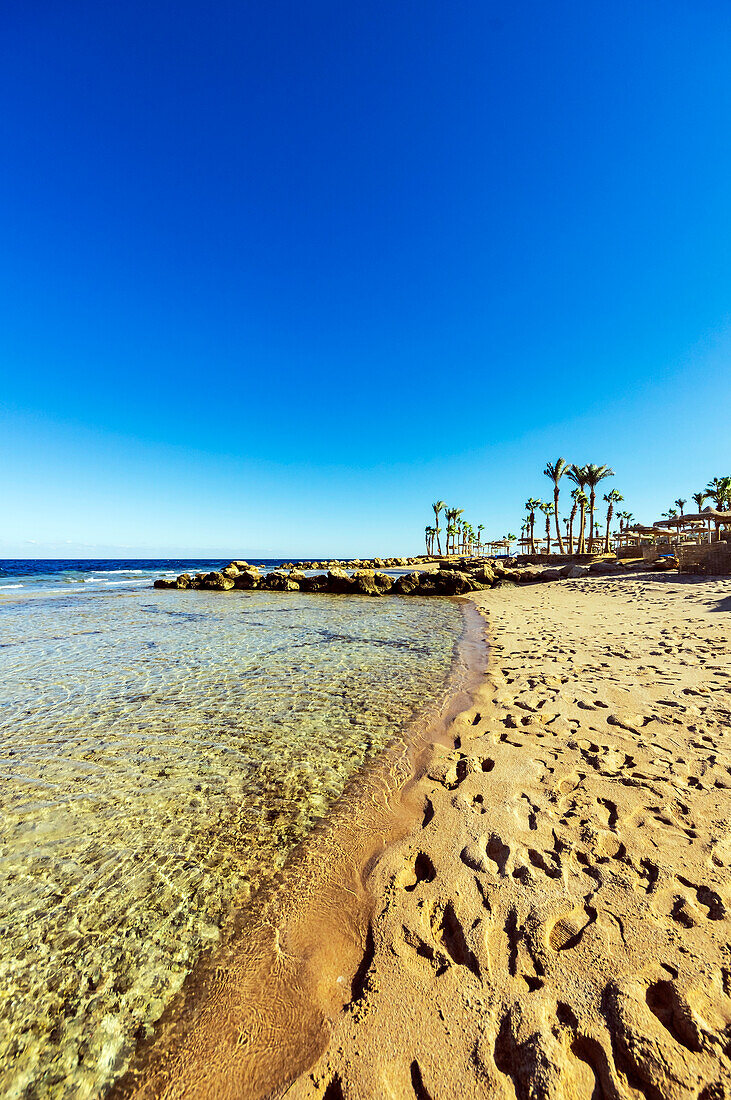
160 754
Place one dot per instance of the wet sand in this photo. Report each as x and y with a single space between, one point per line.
545 911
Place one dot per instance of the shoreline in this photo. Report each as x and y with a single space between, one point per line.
295 951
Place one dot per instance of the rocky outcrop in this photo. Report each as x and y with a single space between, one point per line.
451 578
248 577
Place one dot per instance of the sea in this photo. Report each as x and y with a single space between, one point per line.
161 754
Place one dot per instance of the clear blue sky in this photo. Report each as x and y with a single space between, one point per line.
275 276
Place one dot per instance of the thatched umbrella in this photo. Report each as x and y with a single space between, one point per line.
709 515
641 530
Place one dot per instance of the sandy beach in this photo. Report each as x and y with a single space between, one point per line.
559 926
549 917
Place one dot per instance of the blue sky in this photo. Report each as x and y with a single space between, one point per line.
275 277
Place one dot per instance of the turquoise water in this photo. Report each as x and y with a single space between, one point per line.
160 754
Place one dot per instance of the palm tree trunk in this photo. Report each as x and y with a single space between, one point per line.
532 539
592 504
555 513
548 535
606 535
571 529
582 527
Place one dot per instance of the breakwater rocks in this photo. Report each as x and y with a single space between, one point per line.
365 582
452 578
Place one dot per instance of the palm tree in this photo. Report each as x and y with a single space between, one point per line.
457 512
595 474
700 499
480 529
546 507
555 471
612 497
430 532
437 509
719 490
509 538
572 517
577 474
681 504
582 500
451 532
530 506
624 518
448 513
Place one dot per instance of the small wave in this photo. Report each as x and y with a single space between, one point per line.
12 586
118 582
127 571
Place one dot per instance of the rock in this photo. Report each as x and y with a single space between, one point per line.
576 571
276 581
665 563
364 582
407 584
232 571
338 581
486 574
248 578
297 576
601 567
163 582
551 575
279 581
240 565
455 583
183 581
316 583
217 582
383 581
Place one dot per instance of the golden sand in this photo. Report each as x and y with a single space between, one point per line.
543 911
